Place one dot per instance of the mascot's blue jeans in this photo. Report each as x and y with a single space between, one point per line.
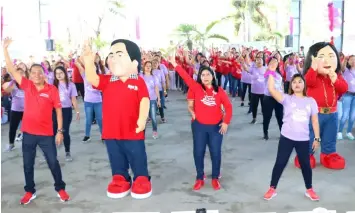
207 135
127 153
328 124
348 112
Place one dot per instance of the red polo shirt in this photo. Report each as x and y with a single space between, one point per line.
120 107
39 104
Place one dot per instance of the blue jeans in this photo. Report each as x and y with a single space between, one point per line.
348 112
328 132
127 153
207 135
228 78
236 87
153 114
162 98
90 108
48 146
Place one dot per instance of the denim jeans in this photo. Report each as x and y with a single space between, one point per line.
90 108
348 113
207 135
328 132
162 103
153 114
235 87
67 119
227 79
127 153
48 146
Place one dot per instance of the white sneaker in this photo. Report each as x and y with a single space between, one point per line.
340 136
10 148
350 136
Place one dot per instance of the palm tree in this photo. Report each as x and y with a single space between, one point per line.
186 31
202 37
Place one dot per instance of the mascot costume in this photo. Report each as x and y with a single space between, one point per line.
324 82
125 112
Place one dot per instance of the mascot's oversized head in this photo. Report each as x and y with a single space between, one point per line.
327 58
124 58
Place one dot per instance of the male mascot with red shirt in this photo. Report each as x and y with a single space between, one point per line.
124 115
324 82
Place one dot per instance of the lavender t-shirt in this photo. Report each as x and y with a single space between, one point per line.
151 81
349 76
18 99
257 79
291 70
66 93
50 77
278 84
297 116
164 68
91 95
159 74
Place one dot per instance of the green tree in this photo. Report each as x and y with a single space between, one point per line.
186 31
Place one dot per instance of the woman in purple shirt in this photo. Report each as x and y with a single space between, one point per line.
270 104
161 80
348 100
152 84
300 111
17 107
67 93
48 71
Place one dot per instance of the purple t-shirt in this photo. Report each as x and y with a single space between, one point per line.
297 116
291 70
257 79
91 95
50 77
151 81
18 99
278 84
164 68
349 76
66 93
159 74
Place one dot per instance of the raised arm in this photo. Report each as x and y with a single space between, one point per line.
270 74
311 75
10 66
90 68
182 72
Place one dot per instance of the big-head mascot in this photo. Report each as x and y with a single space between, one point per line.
325 84
125 109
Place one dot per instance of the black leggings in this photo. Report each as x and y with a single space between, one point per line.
283 154
67 119
15 119
245 87
219 78
269 105
80 89
287 86
254 102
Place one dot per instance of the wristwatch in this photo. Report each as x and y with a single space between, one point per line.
60 130
317 139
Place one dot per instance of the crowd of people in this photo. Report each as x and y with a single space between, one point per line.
305 91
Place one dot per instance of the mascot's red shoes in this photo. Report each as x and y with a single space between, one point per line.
330 161
119 187
141 188
311 158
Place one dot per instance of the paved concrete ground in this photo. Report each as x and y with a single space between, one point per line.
246 170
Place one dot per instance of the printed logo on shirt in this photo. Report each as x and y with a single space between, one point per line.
44 95
209 100
299 115
132 87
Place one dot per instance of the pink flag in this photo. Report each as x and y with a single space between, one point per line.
138 33
49 30
291 25
2 23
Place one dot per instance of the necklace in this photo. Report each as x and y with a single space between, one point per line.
326 97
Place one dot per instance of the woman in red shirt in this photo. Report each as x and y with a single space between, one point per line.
210 123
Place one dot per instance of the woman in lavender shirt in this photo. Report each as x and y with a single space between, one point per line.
300 111
92 103
48 71
256 71
348 100
291 68
152 84
67 94
270 104
159 74
17 107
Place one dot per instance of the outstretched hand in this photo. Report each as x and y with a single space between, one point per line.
7 42
171 59
87 54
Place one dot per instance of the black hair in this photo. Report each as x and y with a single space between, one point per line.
263 57
347 63
106 64
49 66
66 78
214 81
286 57
278 64
298 75
36 65
198 54
132 50
313 51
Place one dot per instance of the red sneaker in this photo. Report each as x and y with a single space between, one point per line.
141 188
270 193
198 185
63 195
26 199
119 187
312 195
216 184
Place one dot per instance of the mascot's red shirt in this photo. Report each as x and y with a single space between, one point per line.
120 106
315 88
